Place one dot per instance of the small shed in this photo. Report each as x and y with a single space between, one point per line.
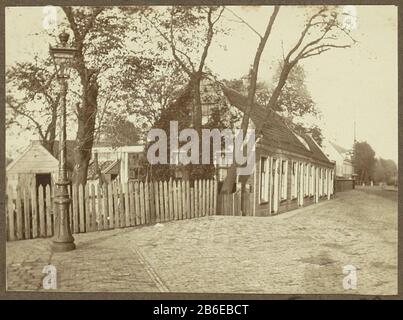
37 166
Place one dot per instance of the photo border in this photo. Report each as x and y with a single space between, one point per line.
31 295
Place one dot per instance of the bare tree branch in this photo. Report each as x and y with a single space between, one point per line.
244 22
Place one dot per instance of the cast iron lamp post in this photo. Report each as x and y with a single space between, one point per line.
62 57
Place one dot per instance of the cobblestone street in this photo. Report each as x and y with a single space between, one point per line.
302 251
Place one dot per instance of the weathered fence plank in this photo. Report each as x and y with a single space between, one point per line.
70 217
11 215
34 212
121 196
132 211
74 214
127 204
116 205
142 205
170 201
20 233
81 206
180 197
157 202
147 203
27 218
111 217
162 201
87 208
174 201
166 200
93 209
188 208
49 213
41 203
105 207
137 202
99 213
215 197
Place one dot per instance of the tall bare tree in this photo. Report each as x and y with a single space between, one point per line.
99 34
327 29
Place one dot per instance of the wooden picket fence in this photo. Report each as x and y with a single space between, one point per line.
31 212
231 204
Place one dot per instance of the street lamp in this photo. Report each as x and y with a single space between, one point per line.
62 57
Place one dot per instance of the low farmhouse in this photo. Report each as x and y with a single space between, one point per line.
37 166
291 170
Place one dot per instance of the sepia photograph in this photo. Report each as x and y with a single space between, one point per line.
224 149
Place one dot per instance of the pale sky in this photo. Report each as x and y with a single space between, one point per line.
356 84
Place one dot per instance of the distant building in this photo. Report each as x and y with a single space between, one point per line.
122 164
37 166
342 157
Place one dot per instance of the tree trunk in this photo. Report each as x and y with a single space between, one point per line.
50 136
231 174
86 115
197 112
195 81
